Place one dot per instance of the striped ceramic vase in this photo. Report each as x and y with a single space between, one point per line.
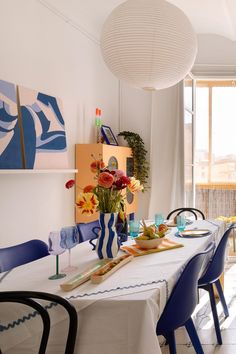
107 245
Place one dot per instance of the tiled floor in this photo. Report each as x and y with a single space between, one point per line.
204 323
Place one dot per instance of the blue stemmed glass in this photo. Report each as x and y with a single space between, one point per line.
54 241
69 239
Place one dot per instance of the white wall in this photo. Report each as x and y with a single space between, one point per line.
135 112
40 51
216 56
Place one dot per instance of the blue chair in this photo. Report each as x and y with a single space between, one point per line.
181 304
211 276
14 256
88 231
193 211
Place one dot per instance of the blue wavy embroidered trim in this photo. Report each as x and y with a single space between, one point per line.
25 318
52 304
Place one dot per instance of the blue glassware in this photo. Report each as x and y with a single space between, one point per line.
181 223
159 219
134 226
55 248
69 239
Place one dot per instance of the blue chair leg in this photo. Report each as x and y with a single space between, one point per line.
222 297
170 337
214 313
189 325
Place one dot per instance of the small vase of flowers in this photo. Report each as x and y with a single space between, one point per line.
106 197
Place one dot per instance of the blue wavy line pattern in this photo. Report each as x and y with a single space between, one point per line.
28 317
25 318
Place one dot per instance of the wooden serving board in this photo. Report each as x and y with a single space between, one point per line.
82 277
111 267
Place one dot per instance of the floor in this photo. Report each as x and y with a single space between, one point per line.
204 323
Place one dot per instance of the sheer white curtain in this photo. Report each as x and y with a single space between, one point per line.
167 151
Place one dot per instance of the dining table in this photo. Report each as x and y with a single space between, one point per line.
118 315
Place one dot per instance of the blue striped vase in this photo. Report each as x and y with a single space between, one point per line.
107 245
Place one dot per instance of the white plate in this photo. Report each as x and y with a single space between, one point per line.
195 232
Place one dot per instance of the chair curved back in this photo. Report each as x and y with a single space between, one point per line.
88 231
193 211
216 266
27 296
184 296
12 297
14 256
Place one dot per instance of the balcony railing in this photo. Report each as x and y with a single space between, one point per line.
216 199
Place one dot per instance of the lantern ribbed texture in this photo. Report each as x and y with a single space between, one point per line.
149 44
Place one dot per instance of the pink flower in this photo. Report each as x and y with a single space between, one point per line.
69 184
119 173
105 180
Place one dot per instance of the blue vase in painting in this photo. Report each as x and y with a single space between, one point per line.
107 245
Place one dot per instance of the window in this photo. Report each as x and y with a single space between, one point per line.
215 149
188 140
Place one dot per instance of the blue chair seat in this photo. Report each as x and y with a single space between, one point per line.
211 276
181 304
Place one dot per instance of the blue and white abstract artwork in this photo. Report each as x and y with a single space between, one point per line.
43 127
10 140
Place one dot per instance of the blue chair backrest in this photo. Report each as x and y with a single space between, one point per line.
216 266
88 231
184 296
14 256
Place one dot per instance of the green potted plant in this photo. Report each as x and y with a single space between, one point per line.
141 165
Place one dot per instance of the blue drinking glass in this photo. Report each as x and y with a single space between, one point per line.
181 223
159 219
134 226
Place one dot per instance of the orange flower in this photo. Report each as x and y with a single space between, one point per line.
97 165
88 189
88 202
105 179
135 185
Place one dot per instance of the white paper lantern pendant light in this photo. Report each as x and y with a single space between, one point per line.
149 44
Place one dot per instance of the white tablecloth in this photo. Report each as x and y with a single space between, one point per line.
118 315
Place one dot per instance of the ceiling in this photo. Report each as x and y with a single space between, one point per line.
207 16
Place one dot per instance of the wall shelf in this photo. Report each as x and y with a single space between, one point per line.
4 172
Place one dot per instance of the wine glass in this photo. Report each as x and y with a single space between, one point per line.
69 239
55 249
